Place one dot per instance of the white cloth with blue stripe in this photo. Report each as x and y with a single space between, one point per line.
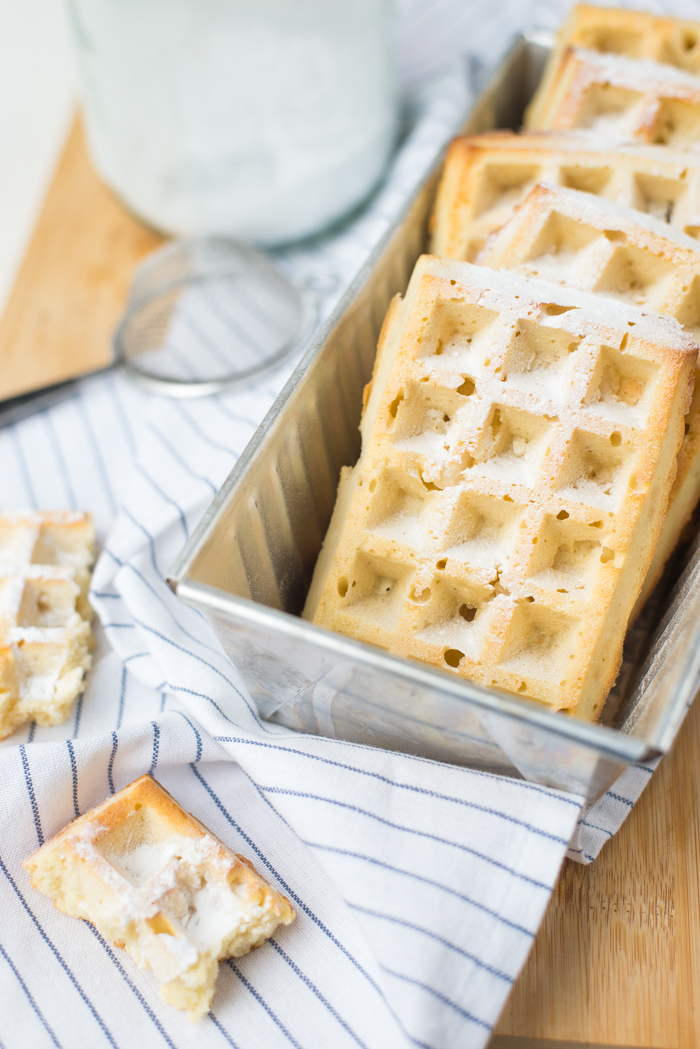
418 886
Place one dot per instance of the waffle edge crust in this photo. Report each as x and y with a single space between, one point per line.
518 449
637 34
153 879
45 635
486 176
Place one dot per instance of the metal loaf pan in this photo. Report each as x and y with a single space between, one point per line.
249 564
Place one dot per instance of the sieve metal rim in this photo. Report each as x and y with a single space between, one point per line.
309 304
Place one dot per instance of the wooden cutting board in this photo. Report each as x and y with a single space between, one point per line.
73 283
617 960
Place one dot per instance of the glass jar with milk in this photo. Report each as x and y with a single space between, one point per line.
263 120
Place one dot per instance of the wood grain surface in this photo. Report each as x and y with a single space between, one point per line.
73 283
617 960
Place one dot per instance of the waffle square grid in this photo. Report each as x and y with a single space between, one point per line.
45 635
578 240
487 176
493 527
637 34
619 98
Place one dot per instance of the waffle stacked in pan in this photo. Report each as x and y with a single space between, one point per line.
151 877
584 242
45 634
670 41
518 449
486 176
620 98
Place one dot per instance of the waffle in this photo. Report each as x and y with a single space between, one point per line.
633 33
620 99
486 176
151 877
591 244
45 635
518 447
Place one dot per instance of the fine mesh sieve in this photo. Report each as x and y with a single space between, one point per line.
207 313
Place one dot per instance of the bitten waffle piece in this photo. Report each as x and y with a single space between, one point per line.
620 99
519 445
636 34
45 634
151 877
486 176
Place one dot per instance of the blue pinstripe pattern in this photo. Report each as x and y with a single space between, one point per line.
261 1001
166 498
110 765
78 715
22 462
287 888
132 986
156 740
322 999
47 419
426 881
434 936
32 796
121 415
30 998
403 786
95 448
178 459
74 775
440 997
58 956
410 830
222 1030
122 697
196 734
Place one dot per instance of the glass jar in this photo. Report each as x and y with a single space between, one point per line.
263 120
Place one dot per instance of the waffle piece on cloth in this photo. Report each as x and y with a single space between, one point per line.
486 176
620 99
519 444
151 877
671 41
45 635
595 245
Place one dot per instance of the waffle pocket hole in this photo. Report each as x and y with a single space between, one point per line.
467 612
343 586
420 597
467 388
562 515
522 687
606 555
453 657
442 564
394 406
616 439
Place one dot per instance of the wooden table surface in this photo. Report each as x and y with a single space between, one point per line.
74 280
617 960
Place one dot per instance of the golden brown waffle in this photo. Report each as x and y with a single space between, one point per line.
518 449
636 34
592 244
45 635
151 877
620 99
486 176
